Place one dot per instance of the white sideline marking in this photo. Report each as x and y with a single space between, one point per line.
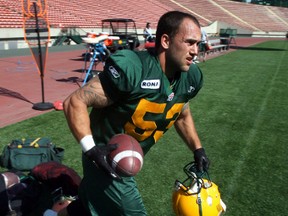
252 134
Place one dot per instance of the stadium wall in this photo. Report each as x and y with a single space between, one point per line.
13 38
214 29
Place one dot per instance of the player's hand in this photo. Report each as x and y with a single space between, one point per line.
201 160
98 154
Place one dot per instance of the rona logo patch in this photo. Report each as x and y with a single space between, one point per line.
150 84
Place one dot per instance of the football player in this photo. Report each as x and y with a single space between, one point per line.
141 94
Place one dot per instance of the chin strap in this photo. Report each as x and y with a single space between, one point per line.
199 202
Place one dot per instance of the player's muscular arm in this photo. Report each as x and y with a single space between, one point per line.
75 107
186 128
92 94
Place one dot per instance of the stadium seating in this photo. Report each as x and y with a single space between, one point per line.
89 13
10 18
255 17
248 16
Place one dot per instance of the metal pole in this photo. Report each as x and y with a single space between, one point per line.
40 53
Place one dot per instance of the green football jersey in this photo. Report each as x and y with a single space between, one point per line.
145 104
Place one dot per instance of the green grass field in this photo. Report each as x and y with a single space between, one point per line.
242 118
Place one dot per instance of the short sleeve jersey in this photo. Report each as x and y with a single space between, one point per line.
145 104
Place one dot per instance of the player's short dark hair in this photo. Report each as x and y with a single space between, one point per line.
169 24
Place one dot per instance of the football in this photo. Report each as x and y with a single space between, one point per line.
127 159
9 179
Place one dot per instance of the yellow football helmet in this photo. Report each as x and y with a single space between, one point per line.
200 198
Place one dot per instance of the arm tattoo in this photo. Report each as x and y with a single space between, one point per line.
92 94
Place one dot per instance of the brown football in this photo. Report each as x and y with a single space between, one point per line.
127 159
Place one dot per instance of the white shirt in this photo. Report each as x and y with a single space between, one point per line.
148 31
204 36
